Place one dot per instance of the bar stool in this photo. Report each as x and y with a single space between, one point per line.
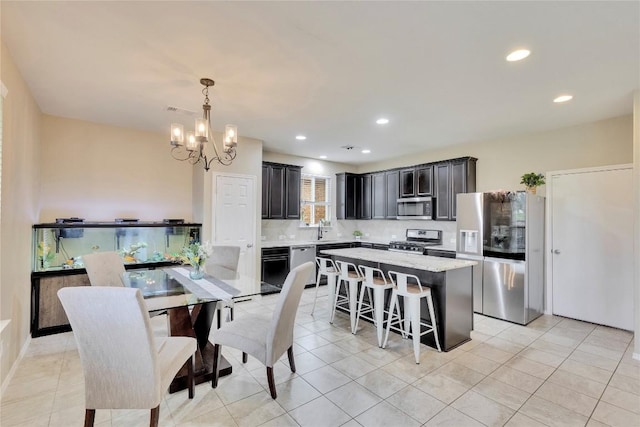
412 293
351 277
374 279
326 267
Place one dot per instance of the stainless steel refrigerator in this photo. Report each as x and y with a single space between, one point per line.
504 232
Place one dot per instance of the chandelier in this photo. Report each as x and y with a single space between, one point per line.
192 148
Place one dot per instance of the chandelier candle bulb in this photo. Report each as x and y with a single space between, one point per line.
192 142
201 129
177 134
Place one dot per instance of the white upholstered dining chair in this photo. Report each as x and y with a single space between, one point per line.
223 264
104 268
265 337
124 366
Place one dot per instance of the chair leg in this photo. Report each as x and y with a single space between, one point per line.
434 324
335 300
231 313
155 417
316 298
358 312
216 362
292 363
190 377
414 314
89 417
393 305
244 357
272 383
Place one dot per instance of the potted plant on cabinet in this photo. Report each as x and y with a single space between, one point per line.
532 180
357 234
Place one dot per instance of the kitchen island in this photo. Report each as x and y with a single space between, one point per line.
450 281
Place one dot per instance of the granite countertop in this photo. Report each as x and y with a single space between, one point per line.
417 261
289 243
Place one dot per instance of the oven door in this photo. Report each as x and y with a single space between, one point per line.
416 208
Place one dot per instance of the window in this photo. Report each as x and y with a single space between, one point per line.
314 199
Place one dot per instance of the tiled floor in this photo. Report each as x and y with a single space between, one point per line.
554 372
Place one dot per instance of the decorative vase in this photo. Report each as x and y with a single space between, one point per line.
197 272
531 190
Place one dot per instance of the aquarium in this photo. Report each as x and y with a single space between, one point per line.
61 245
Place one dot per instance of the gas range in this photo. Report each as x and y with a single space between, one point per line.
417 241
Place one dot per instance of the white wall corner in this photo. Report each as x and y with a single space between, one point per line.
15 365
3 89
636 203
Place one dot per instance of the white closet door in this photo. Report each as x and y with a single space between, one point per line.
592 246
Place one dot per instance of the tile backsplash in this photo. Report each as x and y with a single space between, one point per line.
379 230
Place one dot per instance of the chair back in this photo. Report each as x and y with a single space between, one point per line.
326 266
224 256
116 346
280 335
401 280
345 268
370 272
104 268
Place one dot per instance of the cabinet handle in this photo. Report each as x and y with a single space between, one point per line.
249 245
555 251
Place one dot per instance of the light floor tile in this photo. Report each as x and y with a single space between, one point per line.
491 351
521 420
381 383
615 416
419 405
237 386
591 372
295 392
281 421
527 366
622 399
543 357
318 413
625 383
460 373
450 417
502 393
353 398
551 414
483 409
477 363
330 353
517 378
254 410
216 418
353 367
184 409
441 387
577 383
591 359
384 414
326 379
577 402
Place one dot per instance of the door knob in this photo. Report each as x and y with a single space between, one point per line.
249 245
555 251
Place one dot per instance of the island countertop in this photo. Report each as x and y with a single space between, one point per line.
417 261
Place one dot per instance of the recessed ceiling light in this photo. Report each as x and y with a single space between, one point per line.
382 121
301 137
365 151
518 55
323 157
563 98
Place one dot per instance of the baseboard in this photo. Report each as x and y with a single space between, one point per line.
16 362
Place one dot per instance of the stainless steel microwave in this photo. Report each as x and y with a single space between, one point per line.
416 208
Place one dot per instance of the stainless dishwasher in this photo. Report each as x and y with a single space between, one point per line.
298 255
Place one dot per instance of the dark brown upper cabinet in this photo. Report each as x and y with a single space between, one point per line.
280 191
452 178
416 181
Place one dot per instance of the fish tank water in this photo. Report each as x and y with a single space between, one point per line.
61 245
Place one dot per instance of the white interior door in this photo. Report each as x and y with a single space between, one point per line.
234 217
592 246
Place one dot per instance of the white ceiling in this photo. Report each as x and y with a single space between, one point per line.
329 69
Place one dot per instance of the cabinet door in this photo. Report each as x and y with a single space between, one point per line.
341 196
293 193
424 176
378 195
407 183
265 192
393 192
277 192
443 191
366 198
458 184
351 199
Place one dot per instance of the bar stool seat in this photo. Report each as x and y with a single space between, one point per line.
409 287
376 281
349 276
326 267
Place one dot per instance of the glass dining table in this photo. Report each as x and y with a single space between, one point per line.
190 306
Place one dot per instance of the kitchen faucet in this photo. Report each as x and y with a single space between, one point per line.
320 229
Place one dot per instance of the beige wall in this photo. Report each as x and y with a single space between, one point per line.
102 172
502 162
21 134
636 204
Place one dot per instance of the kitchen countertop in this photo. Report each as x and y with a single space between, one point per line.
289 243
417 261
